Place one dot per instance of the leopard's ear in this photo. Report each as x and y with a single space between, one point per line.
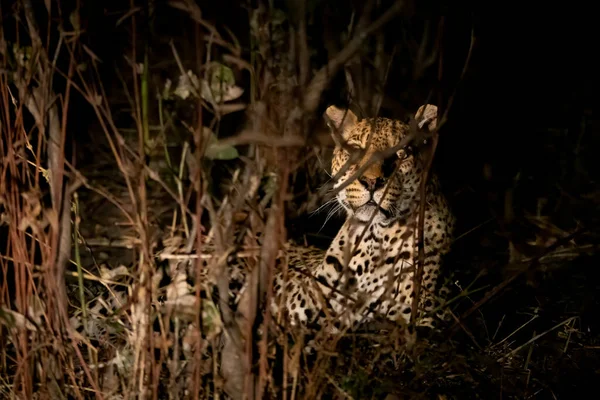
341 122
426 116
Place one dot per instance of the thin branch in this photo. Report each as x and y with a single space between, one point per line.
533 339
325 74
303 53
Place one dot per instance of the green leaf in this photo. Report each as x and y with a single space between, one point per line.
216 150
220 152
219 86
222 74
74 20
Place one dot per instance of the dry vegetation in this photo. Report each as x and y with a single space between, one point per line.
144 146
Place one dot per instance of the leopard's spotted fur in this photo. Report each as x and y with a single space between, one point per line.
368 269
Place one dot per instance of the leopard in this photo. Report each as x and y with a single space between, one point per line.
368 270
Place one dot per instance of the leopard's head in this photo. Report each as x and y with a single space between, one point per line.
397 176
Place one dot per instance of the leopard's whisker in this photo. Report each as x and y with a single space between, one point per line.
326 204
331 213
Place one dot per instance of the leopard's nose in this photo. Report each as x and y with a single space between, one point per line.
371 184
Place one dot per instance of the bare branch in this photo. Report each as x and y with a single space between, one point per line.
324 75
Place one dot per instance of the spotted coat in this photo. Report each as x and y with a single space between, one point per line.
369 267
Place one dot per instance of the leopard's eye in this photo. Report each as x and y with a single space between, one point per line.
407 152
389 165
352 149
